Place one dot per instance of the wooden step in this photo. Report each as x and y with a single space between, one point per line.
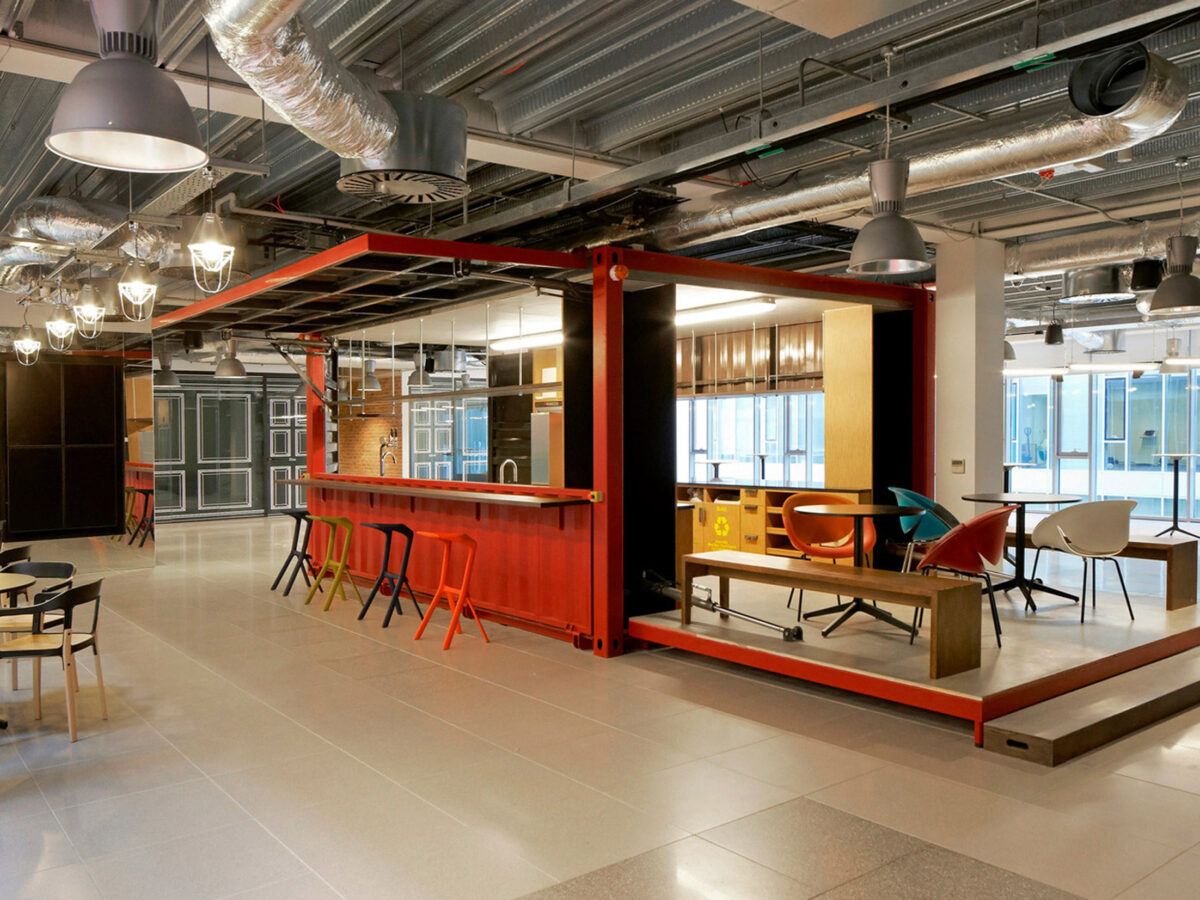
1064 727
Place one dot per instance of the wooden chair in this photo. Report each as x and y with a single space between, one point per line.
63 645
60 575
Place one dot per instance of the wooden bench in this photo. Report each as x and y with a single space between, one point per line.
1179 553
955 605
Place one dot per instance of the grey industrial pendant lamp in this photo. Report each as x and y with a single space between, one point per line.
889 244
230 366
1179 292
122 111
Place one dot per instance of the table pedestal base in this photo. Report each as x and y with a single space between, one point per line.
855 606
1175 528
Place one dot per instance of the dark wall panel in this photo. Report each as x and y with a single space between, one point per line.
64 447
90 500
35 497
892 452
577 392
649 420
88 397
33 396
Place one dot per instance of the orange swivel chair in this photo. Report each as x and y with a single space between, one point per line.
967 549
822 537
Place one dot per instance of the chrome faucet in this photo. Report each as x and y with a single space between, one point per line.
508 462
385 444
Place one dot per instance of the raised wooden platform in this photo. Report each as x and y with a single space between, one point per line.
1046 653
1056 730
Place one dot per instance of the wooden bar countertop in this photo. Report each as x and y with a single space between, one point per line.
506 495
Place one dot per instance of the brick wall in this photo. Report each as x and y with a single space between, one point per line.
358 445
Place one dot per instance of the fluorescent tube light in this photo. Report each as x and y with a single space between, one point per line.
528 341
1115 367
715 312
1033 371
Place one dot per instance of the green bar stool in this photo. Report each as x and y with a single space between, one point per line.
341 569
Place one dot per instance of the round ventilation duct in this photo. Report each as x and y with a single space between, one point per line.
1103 84
427 161
1095 284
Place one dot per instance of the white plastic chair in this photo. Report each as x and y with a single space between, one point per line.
1092 531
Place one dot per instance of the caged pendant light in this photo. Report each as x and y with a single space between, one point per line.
89 312
26 345
889 243
137 286
60 327
210 249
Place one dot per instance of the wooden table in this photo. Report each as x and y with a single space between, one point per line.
956 605
1020 501
1175 458
859 512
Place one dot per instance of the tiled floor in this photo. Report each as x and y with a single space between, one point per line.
258 748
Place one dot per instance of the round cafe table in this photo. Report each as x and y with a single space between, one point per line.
858 512
1020 501
10 584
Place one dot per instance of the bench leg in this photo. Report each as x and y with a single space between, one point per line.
1181 576
685 605
723 594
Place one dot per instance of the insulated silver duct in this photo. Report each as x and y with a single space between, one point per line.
1022 142
13 265
1112 244
294 71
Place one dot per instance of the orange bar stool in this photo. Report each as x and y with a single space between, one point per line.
341 569
459 596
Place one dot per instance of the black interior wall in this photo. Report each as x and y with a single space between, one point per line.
64 448
892 450
577 391
649 464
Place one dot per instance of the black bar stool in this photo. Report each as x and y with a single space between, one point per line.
395 579
145 524
299 553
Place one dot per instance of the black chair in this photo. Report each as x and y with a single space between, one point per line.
40 644
299 552
396 580
59 574
15 555
145 524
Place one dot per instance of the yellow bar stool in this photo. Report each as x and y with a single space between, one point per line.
341 570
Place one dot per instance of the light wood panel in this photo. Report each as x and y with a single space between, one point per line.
848 336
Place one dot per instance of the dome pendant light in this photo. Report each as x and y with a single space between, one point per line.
1179 292
889 244
26 345
165 377
230 366
210 250
123 112
60 328
89 312
370 381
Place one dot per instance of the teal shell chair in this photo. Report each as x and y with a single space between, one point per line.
934 522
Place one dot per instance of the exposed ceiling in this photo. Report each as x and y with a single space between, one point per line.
650 103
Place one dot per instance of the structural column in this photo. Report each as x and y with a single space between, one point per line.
314 412
608 559
969 353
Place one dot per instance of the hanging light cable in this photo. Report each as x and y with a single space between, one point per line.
26 345
1179 292
889 243
210 248
137 286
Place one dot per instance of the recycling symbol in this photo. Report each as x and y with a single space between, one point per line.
721 526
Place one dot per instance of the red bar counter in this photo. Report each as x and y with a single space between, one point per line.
533 567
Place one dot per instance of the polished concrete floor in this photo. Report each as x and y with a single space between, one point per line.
259 748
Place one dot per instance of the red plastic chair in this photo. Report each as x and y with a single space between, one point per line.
968 549
458 596
822 537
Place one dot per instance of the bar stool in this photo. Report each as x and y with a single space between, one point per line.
299 553
131 518
458 595
341 569
395 580
145 525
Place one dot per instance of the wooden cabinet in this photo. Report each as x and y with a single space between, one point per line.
749 519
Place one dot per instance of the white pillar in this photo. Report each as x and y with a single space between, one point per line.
969 348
